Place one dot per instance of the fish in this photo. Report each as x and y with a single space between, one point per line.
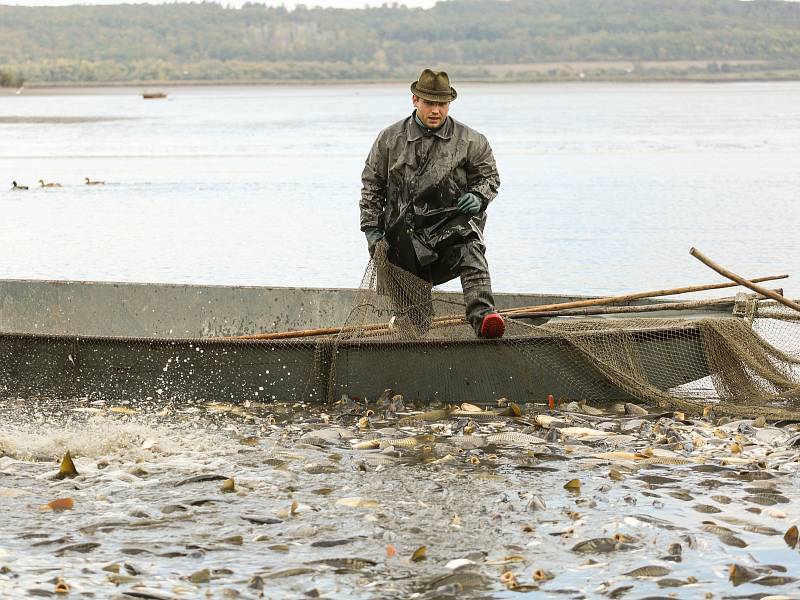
665 460
655 521
468 442
767 499
507 560
67 468
123 410
291 572
773 580
761 529
706 508
624 456
150 594
635 410
681 495
712 527
750 475
514 438
536 502
262 520
83 548
584 433
513 410
447 458
367 444
420 554
429 416
201 576
547 421
320 468
670 582
657 479
357 502
201 479
732 540
601 546
462 579
59 504
648 571
791 536
737 574
409 442
355 564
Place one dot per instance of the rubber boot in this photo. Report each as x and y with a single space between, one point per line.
479 300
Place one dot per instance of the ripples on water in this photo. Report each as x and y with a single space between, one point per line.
313 514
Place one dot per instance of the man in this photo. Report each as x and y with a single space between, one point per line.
426 185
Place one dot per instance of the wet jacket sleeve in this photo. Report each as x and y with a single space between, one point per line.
482 176
373 185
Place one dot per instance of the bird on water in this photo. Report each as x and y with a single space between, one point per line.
49 185
15 186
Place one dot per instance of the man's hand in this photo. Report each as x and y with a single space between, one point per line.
374 235
469 204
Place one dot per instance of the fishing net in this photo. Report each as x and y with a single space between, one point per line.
398 333
401 333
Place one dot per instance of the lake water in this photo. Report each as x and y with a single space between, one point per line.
604 187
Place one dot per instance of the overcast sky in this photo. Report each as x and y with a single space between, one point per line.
288 4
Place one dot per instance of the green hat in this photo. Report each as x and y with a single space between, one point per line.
434 86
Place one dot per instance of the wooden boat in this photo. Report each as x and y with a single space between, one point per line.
153 95
134 341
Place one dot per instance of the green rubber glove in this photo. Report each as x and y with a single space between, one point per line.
469 204
374 235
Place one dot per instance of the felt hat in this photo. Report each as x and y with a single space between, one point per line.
434 86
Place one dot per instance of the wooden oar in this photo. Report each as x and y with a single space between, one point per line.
748 283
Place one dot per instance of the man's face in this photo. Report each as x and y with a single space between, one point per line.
432 114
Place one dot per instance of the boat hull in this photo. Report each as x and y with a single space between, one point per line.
187 370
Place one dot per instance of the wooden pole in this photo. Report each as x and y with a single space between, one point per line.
524 310
634 296
638 308
742 281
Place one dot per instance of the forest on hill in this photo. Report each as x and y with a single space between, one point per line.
479 39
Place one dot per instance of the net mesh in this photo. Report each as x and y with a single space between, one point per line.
746 361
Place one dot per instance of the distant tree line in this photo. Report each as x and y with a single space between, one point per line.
200 41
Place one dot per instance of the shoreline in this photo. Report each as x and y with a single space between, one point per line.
55 88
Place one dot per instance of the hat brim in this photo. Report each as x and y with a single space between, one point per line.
431 96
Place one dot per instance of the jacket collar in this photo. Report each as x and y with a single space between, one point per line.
414 131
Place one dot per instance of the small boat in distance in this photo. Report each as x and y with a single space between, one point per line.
153 95
93 181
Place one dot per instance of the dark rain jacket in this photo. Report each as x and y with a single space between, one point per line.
412 181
